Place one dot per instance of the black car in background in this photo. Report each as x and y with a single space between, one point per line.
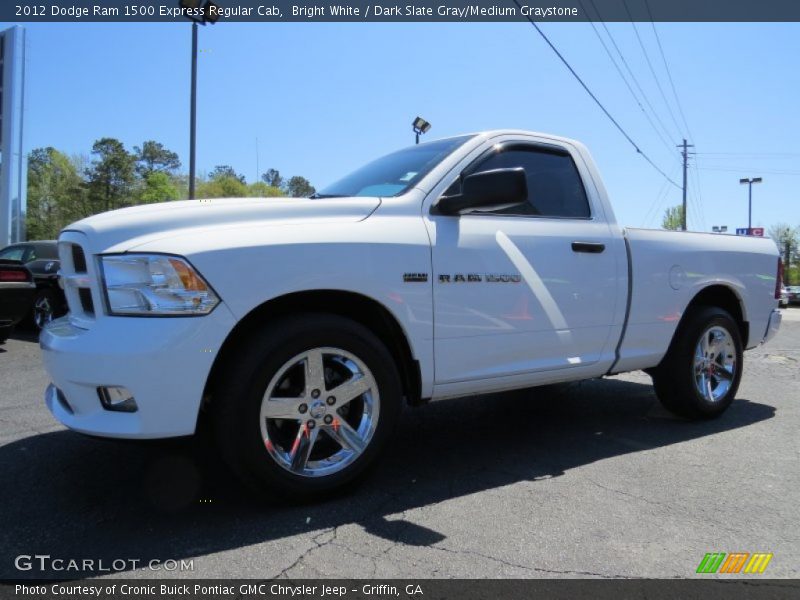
41 259
17 291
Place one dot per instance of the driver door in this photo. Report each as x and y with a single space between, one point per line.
525 291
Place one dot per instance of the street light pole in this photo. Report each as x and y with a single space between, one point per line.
210 13
193 114
750 181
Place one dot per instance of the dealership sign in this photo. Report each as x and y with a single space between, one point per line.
756 231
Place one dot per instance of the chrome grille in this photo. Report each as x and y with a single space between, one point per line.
87 304
78 259
78 278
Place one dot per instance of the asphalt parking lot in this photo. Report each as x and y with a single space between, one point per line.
589 480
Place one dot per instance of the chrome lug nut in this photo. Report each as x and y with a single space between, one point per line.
331 400
302 408
311 424
328 419
315 393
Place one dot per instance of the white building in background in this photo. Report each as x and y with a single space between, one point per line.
13 163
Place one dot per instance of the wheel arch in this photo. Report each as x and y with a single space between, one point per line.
362 309
724 297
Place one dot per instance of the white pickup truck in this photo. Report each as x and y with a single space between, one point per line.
296 329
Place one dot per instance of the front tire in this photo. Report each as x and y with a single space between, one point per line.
307 406
700 375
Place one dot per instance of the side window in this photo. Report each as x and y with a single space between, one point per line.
48 251
555 188
12 252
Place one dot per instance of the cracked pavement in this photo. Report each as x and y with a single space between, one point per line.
585 480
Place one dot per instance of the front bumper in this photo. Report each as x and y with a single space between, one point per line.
164 362
773 325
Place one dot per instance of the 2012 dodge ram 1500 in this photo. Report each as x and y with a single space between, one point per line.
298 328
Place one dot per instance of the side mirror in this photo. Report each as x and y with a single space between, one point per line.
487 190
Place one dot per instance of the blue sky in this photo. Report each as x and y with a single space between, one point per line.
323 98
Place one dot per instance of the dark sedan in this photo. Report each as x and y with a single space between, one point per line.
17 290
41 259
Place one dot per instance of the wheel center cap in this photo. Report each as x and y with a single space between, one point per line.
317 409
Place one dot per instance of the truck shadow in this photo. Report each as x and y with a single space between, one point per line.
72 497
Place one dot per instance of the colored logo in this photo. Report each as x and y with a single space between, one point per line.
735 562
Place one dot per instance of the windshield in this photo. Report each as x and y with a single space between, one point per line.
394 173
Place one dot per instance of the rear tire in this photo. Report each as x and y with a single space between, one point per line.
700 375
307 405
46 307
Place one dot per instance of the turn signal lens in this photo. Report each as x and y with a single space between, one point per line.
188 277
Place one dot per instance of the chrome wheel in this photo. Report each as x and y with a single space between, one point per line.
714 363
319 412
42 311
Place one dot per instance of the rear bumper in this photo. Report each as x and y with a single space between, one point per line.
163 362
773 325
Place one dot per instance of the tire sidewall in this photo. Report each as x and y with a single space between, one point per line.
51 298
269 353
706 319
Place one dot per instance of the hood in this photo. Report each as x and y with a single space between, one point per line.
121 230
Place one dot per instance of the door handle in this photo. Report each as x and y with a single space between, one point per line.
590 247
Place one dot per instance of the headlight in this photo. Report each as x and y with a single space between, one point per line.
154 284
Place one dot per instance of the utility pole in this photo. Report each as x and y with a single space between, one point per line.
685 155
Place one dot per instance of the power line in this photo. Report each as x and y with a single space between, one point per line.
625 80
764 155
699 195
666 68
629 70
593 97
650 66
659 205
750 169
663 192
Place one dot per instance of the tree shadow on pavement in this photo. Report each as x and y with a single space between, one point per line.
69 496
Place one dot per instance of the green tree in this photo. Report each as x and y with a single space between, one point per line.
158 187
786 238
260 189
153 157
55 193
673 218
299 187
111 176
223 186
272 178
225 171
